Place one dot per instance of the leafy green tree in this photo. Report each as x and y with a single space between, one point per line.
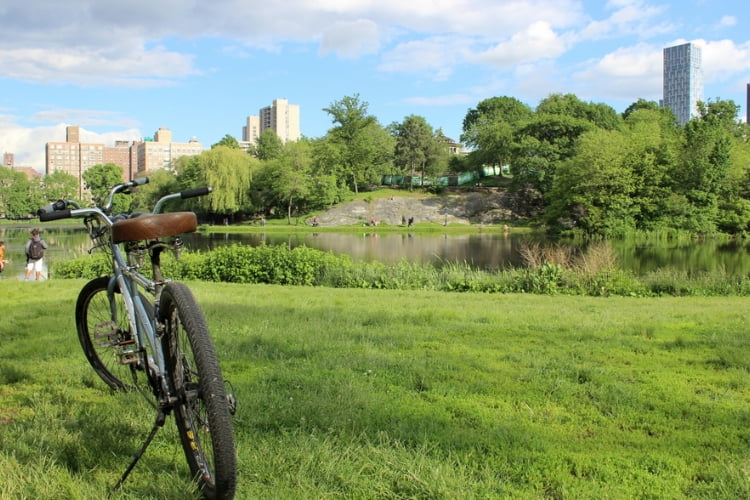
601 115
17 194
364 148
490 127
592 191
653 141
292 182
227 141
418 148
269 146
328 170
542 143
704 165
99 180
60 185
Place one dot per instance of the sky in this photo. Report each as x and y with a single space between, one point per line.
121 70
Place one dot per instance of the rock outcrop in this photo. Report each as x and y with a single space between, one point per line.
477 207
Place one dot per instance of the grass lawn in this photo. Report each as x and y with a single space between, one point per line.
368 394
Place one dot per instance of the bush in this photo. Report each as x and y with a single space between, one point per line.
306 266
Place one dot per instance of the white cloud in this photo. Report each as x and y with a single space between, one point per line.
436 56
630 17
351 39
155 67
628 73
727 21
538 41
724 59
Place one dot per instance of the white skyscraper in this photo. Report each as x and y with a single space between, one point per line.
683 80
281 117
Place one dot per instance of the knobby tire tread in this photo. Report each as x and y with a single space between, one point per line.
196 354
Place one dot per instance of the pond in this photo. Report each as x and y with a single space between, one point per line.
488 250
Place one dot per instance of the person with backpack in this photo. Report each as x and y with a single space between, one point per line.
35 248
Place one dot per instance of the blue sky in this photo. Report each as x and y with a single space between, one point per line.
121 70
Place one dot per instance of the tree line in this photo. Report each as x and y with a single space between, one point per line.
578 166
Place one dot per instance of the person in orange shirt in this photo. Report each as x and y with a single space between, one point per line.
2 256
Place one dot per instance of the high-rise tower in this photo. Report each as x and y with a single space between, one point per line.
281 117
683 80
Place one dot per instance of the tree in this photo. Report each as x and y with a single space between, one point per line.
593 190
292 182
417 147
268 146
601 115
60 185
228 171
227 141
364 147
653 140
99 180
705 163
490 127
17 197
541 144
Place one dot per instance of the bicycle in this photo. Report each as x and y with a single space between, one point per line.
140 332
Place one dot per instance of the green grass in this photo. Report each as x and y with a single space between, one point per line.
363 394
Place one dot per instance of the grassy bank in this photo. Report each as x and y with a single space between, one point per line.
347 393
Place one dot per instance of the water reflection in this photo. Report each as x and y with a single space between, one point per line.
486 250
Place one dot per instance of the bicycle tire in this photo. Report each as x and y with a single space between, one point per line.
202 412
105 354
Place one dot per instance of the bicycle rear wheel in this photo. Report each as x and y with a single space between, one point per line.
104 333
202 414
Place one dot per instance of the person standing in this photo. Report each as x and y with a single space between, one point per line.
35 248
2 257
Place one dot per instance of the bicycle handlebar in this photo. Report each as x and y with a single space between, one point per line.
192 193
58 214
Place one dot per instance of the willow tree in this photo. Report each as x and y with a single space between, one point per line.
228 171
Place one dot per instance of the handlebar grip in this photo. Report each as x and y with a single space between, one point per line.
192 193
59 214
139 181
52 207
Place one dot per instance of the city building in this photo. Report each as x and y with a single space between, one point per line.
683 80
280 116
161 151
72 156
135 158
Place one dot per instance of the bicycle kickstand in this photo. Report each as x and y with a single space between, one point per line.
161 417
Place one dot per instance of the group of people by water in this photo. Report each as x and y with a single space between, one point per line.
34 251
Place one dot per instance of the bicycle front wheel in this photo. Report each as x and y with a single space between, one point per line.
202 413
104 333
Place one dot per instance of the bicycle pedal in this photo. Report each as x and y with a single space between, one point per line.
129 357
105 330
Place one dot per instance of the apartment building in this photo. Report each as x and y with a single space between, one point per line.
161 151
280 116
134 157
73 156
683 80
